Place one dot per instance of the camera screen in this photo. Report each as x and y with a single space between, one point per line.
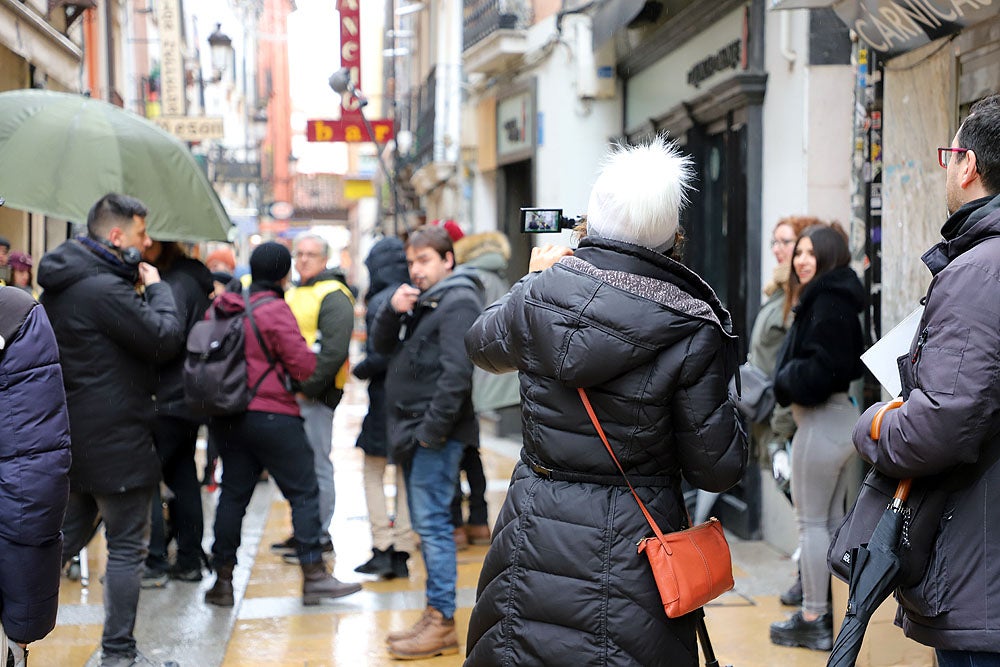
541 219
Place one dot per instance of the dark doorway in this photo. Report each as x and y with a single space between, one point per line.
715 228
515 190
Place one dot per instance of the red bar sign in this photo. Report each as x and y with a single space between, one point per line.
348 129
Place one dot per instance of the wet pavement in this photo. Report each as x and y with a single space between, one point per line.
269 625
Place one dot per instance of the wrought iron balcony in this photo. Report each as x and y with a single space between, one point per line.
493 33
416 115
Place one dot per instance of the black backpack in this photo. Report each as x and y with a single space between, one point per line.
215 364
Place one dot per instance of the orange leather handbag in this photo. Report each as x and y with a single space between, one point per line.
691 567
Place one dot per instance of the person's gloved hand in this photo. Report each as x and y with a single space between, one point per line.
781 465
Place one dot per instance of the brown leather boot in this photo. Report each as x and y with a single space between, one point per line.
461 539
221 594
412 630
477 533
319 585
436 637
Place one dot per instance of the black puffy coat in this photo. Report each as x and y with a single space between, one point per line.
822 352
110 340
648 339
387 270
429 380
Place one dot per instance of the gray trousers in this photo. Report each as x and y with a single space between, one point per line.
319 432
126 526
821 452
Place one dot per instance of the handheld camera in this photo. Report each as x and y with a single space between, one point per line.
544 220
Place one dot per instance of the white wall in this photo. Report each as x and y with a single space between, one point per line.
808 114
574 134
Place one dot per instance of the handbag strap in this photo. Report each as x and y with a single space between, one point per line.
604 439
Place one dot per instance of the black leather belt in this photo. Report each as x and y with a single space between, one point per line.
583 478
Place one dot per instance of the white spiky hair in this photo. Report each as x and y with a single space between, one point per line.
639 194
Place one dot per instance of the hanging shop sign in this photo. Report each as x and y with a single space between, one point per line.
892 27
897 26
350 50
351 129
515 127
171 58
192 128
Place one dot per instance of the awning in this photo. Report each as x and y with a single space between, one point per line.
892 27
612 16
29 36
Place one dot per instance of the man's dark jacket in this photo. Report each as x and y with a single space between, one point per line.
951 418
429 379
110 340
654 349
34 464
821 354
191 284
386 263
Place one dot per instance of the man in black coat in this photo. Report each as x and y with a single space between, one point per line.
430 417
951 418
114 321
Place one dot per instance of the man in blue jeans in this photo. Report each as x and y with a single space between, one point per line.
431 420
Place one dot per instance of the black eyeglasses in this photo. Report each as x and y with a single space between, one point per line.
944 155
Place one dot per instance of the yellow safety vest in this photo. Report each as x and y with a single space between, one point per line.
305 303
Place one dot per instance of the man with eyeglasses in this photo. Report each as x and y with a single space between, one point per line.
323 305
950 421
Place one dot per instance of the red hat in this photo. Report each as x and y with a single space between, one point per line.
20 261
224 256
450 226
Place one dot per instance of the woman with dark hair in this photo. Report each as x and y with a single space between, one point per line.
175 431
652 345
817 363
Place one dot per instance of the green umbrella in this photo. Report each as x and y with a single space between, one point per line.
60 153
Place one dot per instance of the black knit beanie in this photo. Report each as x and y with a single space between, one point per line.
270 262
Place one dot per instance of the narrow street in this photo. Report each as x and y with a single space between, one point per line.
269 625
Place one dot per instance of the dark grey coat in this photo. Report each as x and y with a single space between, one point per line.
428 384
562 582
952 416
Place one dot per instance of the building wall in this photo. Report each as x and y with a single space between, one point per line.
573 135
807 133
915 124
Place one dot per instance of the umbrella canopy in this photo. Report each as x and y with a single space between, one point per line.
60 153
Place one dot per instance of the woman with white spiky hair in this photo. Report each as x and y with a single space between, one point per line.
653 347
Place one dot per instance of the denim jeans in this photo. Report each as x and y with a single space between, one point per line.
318 418
126 522
967 659
248 444
430 486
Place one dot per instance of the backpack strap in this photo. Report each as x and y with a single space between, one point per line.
271 363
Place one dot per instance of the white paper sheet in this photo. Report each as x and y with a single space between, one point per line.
881 357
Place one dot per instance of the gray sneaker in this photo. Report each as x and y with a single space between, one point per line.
138 660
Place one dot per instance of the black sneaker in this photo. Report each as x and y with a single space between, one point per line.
793 596
797 631
293 557
153 578
189 574
286 547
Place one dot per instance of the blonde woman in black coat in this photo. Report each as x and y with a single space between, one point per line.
653 347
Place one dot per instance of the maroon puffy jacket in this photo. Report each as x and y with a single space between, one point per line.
284 342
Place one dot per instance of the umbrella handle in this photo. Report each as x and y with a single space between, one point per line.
902 492
876 429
